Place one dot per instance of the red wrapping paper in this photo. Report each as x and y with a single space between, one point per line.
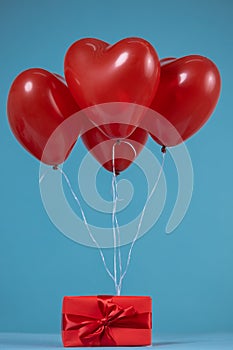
106 321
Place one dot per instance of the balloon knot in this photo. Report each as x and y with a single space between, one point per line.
163 149
55 167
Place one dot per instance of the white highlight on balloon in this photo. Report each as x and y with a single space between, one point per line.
121 59
28 86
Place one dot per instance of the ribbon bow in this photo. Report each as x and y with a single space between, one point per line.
92 331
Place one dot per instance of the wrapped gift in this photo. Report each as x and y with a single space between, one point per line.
106 320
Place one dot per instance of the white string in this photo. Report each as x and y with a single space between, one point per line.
119 239
115 224
128 143
85 221
43 176
140 221
113 227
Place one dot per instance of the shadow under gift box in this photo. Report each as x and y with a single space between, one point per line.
106 320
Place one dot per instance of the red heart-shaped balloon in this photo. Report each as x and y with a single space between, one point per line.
98 73
188 92
125 152
38 103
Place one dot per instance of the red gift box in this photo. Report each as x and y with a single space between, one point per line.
106 320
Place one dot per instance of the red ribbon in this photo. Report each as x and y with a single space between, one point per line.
92 331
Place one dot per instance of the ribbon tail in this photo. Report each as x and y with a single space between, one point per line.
106 338
91 335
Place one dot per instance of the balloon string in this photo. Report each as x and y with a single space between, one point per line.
140 221
128 143
43 176
85 221
119 239
115 224
114 231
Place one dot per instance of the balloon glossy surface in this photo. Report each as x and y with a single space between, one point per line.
188 92
38 103
127 71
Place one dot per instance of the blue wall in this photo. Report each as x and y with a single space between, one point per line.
189 273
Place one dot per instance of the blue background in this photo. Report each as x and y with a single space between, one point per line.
189 273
